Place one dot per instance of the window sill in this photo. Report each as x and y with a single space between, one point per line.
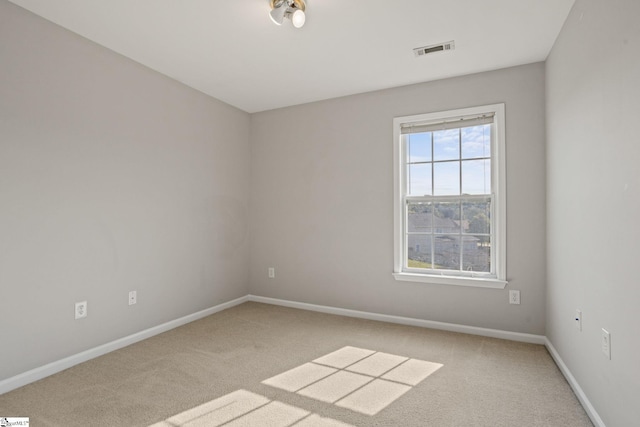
474 282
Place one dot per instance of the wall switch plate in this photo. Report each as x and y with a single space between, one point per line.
272 272
579 320
81 309
133 297
514 297
606 343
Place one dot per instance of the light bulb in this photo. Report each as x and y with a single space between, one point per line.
298 18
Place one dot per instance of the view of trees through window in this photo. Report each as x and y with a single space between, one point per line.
448 199
449 235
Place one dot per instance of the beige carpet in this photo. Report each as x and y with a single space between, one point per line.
262 365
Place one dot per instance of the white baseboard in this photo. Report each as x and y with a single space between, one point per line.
473 330
60 365
66 363
586 404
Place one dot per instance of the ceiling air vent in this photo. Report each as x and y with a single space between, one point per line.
440 47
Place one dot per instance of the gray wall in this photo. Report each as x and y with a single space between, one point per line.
115 178
593 155
322 202
112 178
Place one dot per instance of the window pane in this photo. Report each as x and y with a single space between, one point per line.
476 177
419 217
419 251
446 179
418 147
446 144
476 255
446 217
476 141
447 252
476 217
419 179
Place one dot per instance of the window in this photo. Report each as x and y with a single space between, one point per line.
450 197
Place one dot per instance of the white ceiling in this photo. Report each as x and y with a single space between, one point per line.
232 51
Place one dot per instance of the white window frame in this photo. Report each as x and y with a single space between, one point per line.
498 182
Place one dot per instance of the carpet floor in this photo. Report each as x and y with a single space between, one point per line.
263 365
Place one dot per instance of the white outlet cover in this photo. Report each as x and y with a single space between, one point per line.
606 343
81 310
514 297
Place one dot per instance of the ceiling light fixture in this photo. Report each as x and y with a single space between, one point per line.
292 9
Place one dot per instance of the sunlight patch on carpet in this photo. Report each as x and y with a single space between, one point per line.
274 414
243 408
374 397
218 411
316 420
297 378
344 357
412 372
358 379
335 386
377 364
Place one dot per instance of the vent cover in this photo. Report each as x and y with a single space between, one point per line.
434 48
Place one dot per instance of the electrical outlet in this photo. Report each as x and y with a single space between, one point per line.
514 297
579 320
81 310
272 272
133 297
606 343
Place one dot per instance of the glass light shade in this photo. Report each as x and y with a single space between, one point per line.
277 14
